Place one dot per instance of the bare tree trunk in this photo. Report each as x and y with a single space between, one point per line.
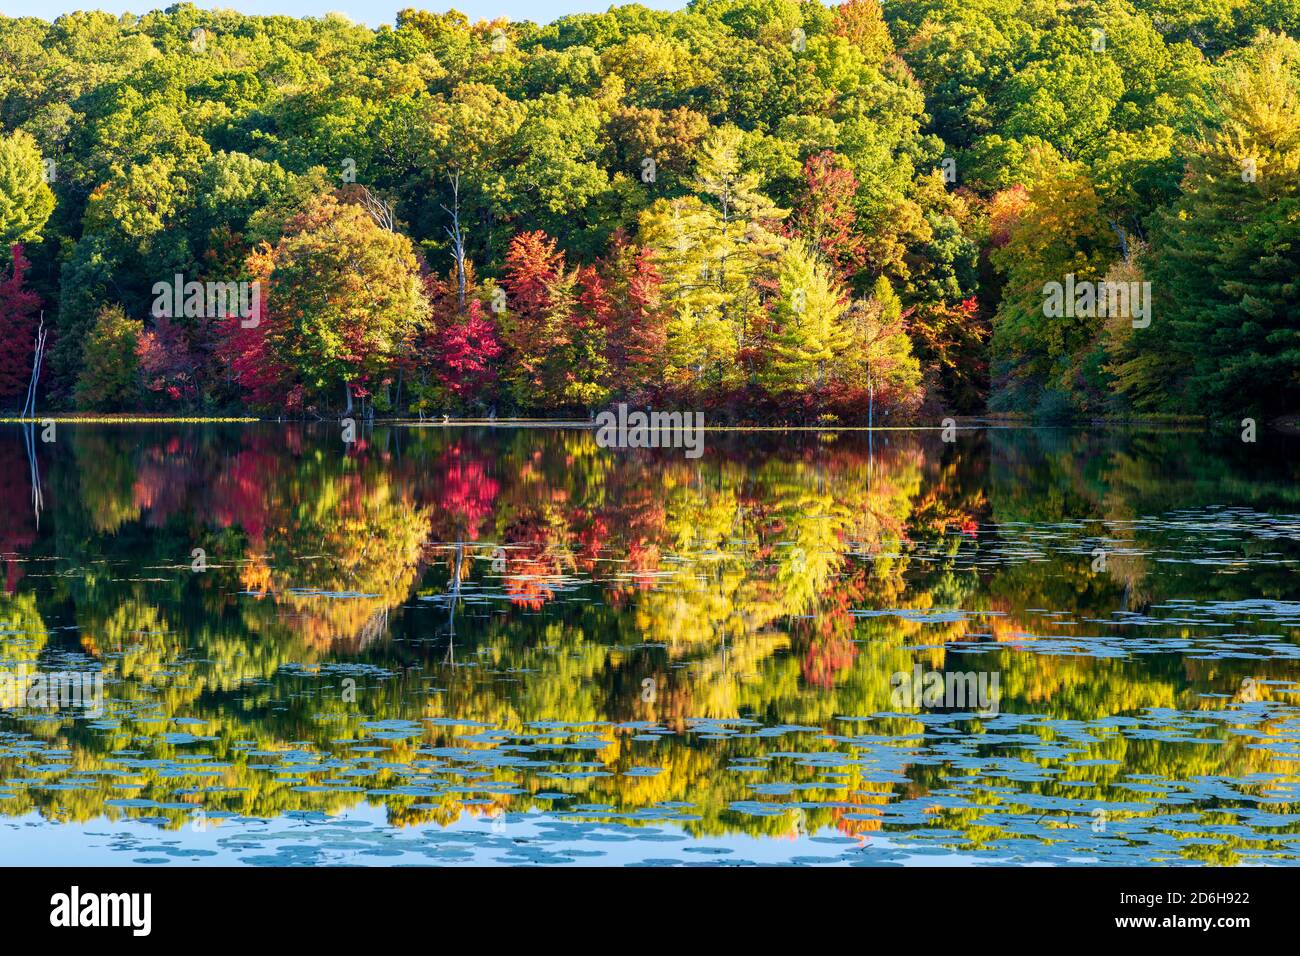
871 401
29 405
455 599
457 240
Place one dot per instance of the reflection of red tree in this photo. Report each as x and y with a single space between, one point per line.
592 537
832 649
239 492
465 495
640 511
162 481
826 659
527 580
643 559
532 568
17 524
867 811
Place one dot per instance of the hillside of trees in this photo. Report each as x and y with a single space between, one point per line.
769 209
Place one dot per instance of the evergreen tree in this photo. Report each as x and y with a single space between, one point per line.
808 340
1225 259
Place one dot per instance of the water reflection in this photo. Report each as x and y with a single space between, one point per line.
442 645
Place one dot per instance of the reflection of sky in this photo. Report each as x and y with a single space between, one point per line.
371 12
361 836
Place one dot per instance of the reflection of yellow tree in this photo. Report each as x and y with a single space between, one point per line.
22 630
107 481
22 638
339 559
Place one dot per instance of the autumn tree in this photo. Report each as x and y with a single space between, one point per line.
109 379
826 216
1059 232
26 199
808 341
342 300
18 322
880 359
167 363
466 355
862 23
535 319
638 335
716 252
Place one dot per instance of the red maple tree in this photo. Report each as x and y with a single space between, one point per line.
532 267
18 311
826 215
466 353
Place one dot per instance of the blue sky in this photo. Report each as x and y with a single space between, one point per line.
371 12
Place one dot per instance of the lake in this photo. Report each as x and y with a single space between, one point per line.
259 645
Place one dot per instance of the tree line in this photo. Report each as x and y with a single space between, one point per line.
771 209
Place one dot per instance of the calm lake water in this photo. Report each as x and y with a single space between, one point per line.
446 645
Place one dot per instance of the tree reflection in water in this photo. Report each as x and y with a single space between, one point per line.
448 623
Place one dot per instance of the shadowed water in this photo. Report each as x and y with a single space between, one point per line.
443 646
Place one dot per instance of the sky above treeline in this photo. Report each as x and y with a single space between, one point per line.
370 12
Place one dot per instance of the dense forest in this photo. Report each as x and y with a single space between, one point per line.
769 209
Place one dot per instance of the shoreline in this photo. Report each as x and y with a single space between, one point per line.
964 422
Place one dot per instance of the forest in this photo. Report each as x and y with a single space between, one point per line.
770 210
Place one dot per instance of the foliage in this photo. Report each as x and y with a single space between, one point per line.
110 369
26 200
633 182
18 324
